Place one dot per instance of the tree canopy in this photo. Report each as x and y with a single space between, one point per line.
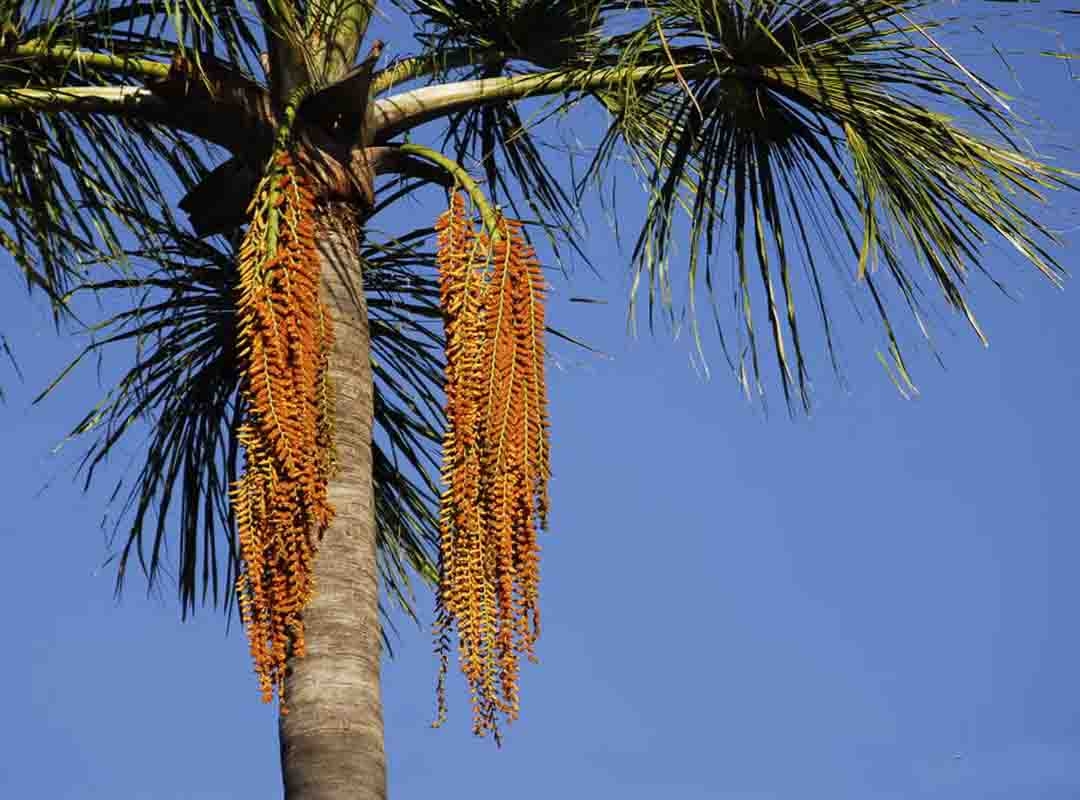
775 141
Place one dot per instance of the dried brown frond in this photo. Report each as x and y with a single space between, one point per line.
280 501
495 459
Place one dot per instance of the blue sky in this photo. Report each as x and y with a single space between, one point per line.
874 603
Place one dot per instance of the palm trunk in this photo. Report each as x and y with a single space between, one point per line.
332 736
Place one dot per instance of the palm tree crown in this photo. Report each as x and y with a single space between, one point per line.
789 140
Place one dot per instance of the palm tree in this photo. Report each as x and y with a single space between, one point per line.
300 370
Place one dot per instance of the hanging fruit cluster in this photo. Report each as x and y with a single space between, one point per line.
495 458
284 338
496 450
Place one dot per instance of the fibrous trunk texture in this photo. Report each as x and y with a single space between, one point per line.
332 737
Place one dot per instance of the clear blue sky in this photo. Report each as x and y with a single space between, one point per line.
877 603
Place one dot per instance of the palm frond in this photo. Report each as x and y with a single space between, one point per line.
181 395
548 33
800 126
407 362
218 29
74 186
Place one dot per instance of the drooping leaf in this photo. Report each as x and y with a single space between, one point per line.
801 128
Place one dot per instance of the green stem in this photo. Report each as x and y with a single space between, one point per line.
401 112
73 57
106 99
410 69
288 118
237 128
461 175
282 138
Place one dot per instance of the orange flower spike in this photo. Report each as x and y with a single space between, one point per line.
495 458
283 334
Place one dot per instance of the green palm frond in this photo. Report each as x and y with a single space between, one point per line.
407 362
800 126
218 29
181 395
180 392
547 33
74 186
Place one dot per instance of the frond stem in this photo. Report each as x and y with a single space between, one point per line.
461 175
66 55
107 99
409 69
407 110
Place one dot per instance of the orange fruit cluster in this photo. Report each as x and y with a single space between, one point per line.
280 501
495 458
